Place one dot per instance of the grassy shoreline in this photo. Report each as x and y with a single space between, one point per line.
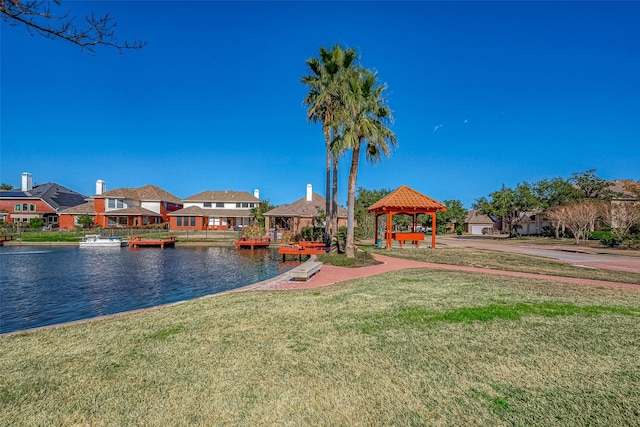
409 347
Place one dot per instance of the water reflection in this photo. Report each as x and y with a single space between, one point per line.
40 288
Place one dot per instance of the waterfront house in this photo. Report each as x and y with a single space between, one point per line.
124 207
40 201
215 210
304 212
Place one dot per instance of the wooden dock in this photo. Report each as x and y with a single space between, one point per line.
138 241
260 242
304 248
5 238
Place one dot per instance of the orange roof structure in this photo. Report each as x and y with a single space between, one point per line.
405 198
406 201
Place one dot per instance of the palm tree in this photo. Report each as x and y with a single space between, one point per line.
327 76
362 120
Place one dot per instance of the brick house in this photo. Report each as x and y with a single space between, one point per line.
301 213
123 207
215 210
40 201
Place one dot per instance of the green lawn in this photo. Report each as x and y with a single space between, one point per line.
499 260
406 348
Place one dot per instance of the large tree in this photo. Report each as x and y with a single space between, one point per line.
364 199
363 125
455 214
509 205
37 17
328 74
555 192
258 212
592 186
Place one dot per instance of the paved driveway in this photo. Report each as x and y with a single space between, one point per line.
569 254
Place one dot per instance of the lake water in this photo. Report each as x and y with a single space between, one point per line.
48 285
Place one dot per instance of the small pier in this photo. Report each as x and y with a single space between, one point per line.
5 238
303 248
260 242
138 241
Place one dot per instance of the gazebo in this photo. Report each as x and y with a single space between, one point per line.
406 201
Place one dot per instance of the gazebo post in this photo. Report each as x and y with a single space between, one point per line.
389 230
375 238
433 230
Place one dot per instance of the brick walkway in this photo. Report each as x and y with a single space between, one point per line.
330 274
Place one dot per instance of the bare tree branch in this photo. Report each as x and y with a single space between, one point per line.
37 18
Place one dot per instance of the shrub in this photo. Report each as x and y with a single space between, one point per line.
459 230
312 233
607 238
362 259
631 241
287 238
35 223
253 231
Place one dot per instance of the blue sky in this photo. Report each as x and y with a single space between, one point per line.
483 94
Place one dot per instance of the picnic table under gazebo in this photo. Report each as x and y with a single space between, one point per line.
406 201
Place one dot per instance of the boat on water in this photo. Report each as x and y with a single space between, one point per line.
96 240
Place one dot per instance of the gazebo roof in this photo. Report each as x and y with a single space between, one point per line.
405 198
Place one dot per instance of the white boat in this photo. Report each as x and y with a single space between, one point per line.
96 240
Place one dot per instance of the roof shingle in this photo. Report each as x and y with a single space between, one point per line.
304 208
407 198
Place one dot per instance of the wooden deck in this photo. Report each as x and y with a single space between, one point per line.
5 238
305 248
261 242
138 241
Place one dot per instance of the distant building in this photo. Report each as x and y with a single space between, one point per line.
476 223
301 213
215 210
40 201
124 207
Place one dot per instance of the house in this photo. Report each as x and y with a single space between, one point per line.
532 223
215 210
41 201
123 207
301 213
475 223
624 208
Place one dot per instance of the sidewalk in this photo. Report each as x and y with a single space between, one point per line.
330 274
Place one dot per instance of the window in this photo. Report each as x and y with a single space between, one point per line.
32 208
25 207
115 203
16 208
179 221
238 205
219 204
207 204
193 221
245 205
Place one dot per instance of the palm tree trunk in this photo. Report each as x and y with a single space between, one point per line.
327 212
350 249
334 196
